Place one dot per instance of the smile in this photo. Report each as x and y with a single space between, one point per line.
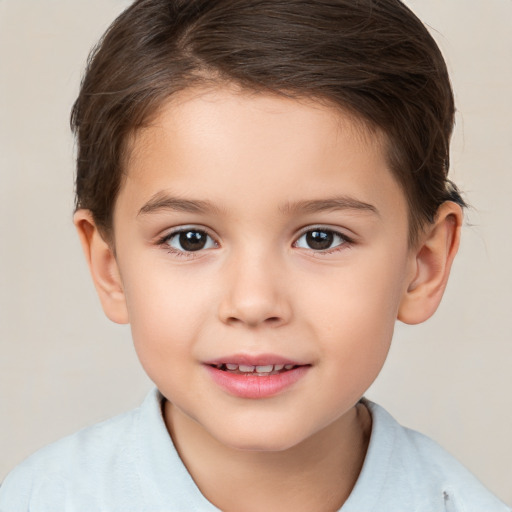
259 380
260 371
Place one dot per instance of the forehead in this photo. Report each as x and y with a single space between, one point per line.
205 140
208 106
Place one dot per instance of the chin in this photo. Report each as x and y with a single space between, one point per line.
260 439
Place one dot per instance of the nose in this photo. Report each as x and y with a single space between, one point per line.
255 293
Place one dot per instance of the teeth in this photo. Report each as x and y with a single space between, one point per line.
264 369
246 368
261 370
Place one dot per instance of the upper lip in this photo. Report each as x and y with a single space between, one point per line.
253 360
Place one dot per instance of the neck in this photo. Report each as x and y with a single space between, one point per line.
317 474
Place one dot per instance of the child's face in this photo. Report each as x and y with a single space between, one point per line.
293 250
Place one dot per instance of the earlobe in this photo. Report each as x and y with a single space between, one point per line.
103 267
432 261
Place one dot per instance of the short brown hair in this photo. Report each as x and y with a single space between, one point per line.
373 58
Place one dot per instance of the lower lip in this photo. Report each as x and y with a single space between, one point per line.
253 386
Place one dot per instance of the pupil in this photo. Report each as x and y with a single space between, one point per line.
319 240
192 240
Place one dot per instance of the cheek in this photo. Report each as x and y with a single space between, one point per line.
166 315
356 310
357 296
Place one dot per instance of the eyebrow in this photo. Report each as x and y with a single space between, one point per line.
161 201
329 204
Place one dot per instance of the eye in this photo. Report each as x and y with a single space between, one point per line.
319 239
189 240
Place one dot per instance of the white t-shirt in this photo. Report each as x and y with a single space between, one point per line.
129 464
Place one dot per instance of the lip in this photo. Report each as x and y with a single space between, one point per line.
253 360
255 386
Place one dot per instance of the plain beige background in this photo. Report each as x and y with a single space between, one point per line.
64 366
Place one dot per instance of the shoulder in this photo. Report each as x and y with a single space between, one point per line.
74 465
413 472
128 463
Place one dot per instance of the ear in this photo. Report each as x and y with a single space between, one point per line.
432 261
103 267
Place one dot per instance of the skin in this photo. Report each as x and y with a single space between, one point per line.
267 166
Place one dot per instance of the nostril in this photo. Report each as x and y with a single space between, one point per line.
254 322
254 310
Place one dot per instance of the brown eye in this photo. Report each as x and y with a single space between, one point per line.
320 240
190 240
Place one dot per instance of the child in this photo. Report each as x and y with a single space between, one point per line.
261 192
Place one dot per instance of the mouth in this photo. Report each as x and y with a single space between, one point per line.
255 370
256 377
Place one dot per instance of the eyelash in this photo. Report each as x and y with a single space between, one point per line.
164 241
345 241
